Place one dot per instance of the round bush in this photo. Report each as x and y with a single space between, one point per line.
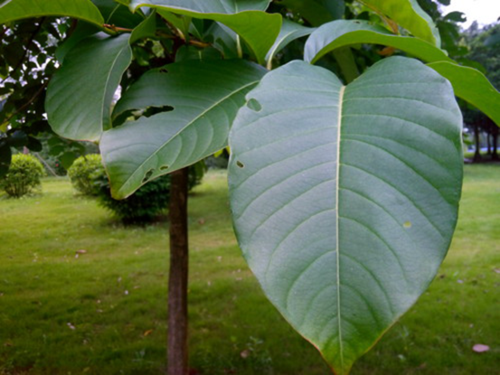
81 171
88 175
23 176
196 173
141 207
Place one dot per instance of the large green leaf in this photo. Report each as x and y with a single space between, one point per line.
204 7
147 28
344 199
19 9
80 94
182 23
247 18
224 39
317 12
342 33
117 14
205 97
83 30
409 15
472 86
289 32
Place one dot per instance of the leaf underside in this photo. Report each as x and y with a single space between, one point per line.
205 97
341 33
409 15
289 32
21 9
472 86
317 12
345 199
468 83
79 95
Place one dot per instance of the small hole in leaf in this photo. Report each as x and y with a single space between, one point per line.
163 70
163 167
407 224
240 164
151 111
254 105
147 176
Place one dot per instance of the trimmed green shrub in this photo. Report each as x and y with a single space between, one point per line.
23 177
89 177
219 160
81 171
196 173
141 207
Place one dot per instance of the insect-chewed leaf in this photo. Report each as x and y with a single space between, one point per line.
345 198
205 97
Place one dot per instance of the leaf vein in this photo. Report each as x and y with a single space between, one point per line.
403 194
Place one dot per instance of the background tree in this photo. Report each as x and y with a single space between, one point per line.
482 46
27 61
25 71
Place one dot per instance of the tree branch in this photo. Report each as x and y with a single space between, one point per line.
25 105
117 29
4 30
32 37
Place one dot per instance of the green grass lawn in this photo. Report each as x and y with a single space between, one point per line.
104 312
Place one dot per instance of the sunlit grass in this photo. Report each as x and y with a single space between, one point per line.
104 312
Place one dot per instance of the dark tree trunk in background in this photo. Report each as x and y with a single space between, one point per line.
477 154
494 134
177 354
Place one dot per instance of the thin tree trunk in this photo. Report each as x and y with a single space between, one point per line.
177 353
49 168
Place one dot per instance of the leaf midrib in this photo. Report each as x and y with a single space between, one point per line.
339 318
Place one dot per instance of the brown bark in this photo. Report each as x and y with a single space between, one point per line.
177 354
